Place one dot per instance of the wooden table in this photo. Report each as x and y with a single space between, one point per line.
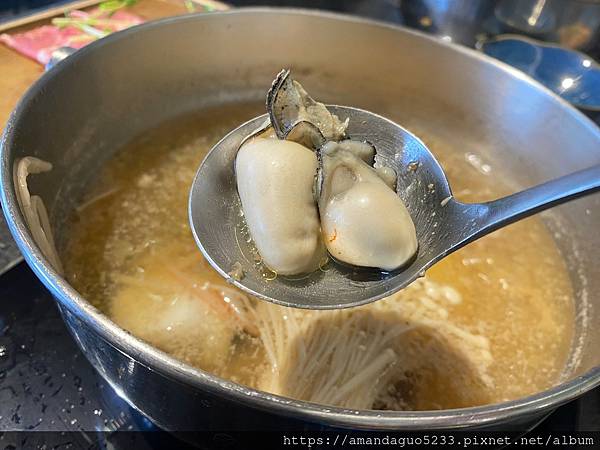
17 72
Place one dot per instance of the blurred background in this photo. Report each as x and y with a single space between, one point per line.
557 42
571 23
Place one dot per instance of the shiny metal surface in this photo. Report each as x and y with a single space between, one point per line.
10 255
571 23
58 55
568 73
79 113
443 224
458 21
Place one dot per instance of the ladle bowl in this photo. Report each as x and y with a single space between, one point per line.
443 224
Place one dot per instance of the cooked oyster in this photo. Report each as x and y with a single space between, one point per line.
275 178
290 106
275 181
364 222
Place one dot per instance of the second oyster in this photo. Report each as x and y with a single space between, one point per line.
363 221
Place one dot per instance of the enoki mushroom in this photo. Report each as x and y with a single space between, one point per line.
33 209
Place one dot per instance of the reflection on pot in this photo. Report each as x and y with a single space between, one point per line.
570 74
571 23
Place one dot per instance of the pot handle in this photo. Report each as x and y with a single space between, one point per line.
58 55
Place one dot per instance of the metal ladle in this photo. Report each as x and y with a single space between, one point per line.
443 224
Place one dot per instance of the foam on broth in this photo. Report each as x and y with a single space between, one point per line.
492 322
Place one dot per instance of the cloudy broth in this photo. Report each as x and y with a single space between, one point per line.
492 322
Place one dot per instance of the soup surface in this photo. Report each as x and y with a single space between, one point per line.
492 322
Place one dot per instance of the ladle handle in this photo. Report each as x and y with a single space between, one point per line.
490 216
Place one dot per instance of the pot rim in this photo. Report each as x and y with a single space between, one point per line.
168 366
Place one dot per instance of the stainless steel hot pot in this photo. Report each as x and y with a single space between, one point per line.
78 113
